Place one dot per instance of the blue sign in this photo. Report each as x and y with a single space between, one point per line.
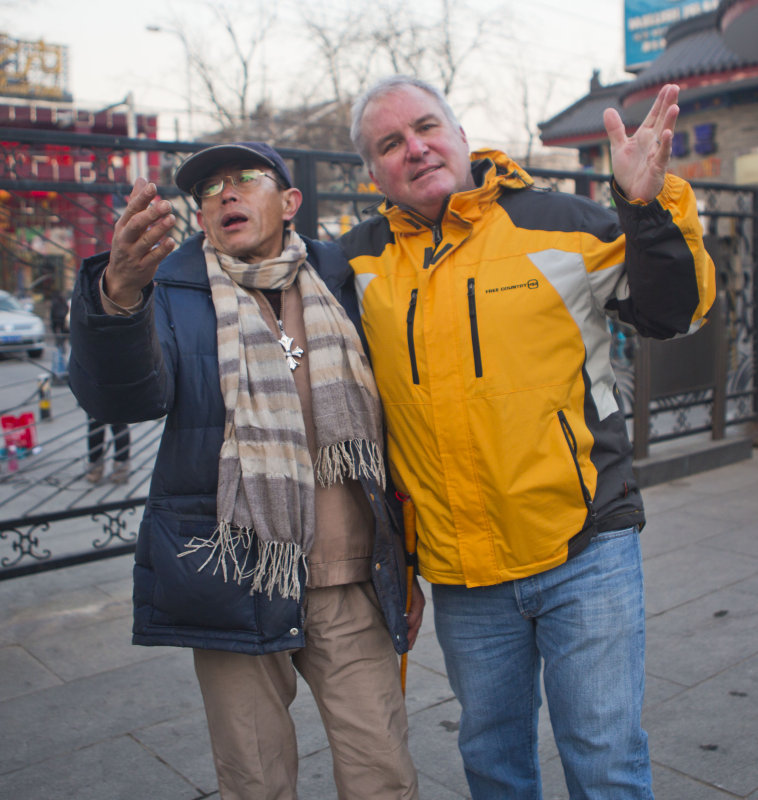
647 21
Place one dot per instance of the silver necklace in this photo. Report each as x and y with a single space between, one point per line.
290 352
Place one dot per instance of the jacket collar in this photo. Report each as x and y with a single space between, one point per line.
493 171
186 265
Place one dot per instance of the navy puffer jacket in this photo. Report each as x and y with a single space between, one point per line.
163 362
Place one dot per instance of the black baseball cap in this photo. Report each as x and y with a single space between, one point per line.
201 164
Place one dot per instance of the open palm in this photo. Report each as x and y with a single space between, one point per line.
639 162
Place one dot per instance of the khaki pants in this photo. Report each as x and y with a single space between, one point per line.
352 669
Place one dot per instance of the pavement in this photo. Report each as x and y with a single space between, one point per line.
84 715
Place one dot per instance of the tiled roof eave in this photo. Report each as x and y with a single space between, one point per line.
690 81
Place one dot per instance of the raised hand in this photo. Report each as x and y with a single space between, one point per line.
140 243
639 162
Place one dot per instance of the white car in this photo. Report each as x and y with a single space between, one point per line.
20 330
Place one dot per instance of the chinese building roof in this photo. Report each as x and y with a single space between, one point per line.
738 22
694 48
583 121
695 57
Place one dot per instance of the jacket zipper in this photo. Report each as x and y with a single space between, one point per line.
411 344
474 328
574 448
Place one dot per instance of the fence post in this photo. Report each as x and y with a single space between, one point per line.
582 186
305 180
754 276
718 407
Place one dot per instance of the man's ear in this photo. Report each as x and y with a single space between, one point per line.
200 220
375 182
292 199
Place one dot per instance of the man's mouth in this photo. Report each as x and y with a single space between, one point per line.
426 171
232 219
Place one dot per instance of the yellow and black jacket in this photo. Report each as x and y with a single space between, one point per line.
488 334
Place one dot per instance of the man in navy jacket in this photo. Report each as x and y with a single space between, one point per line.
267 496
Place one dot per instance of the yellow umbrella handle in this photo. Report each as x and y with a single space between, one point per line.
409 526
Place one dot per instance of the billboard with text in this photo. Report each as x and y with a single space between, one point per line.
646 23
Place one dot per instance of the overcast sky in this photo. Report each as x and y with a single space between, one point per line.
111 52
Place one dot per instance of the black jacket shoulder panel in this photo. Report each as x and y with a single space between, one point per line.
535 209
369 238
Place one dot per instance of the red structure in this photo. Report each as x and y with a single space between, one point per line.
42 228
86 214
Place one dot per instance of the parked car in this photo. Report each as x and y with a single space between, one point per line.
27 302
20 330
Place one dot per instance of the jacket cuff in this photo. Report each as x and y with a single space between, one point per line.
670 193
112 308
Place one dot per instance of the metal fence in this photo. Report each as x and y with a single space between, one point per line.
60 194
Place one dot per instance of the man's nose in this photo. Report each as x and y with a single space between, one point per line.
229 190
417 147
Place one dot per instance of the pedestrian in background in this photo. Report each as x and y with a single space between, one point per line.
59 321
96 451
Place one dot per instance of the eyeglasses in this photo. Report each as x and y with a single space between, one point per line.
243 179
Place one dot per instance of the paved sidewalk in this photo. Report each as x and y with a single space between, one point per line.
86 716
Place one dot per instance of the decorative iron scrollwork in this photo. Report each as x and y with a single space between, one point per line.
114 527
26 544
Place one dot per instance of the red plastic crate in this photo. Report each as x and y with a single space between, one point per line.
20 430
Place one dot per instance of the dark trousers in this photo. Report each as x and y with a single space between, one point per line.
96 439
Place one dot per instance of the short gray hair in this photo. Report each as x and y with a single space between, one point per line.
380 88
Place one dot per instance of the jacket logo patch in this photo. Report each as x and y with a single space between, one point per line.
533 283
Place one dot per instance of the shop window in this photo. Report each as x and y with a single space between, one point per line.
705 139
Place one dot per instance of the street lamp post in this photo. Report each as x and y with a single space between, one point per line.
136 165
188 71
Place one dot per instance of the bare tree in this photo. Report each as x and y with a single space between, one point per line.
333 49
226 60
438 50
360 40
355 42
528 111
218 84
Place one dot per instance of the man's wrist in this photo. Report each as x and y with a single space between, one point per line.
623 195
118 305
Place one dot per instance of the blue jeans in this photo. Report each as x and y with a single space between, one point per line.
585 619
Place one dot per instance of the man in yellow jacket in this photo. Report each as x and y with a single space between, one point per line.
485 303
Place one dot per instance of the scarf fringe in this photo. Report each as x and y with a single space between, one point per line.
351 459
277 565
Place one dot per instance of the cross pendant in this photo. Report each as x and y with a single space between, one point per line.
290 353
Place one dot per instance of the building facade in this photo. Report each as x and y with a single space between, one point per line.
716 135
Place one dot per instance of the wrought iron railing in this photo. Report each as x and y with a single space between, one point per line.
28 555
60 194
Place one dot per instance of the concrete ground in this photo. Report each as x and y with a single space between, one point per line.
86 715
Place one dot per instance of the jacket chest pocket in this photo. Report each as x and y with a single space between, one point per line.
411 336
474 327
514 336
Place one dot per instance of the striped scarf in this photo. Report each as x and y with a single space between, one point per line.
265 498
